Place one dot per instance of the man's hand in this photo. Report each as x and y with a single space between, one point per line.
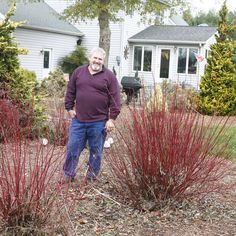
72 113
110 125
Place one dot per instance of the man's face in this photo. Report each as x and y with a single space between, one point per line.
96 61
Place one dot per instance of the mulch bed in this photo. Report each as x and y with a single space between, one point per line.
99 212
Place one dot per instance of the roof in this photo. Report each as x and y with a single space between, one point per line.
178 20
39 16
174 34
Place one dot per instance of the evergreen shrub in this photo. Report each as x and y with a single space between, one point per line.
218 93
73 60
54 86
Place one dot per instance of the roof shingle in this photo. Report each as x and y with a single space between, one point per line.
174 34
39 15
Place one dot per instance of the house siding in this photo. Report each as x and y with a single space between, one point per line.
61 45
130 26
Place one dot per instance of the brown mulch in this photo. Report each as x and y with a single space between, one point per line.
99 212
94 210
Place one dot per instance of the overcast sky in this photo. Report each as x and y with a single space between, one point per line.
206 5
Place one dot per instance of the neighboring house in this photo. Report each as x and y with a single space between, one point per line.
46 37
176 53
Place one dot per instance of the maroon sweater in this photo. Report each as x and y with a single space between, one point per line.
95 97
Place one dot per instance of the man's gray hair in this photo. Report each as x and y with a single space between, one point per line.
99 50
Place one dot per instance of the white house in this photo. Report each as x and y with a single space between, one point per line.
46 37
176 53
133 42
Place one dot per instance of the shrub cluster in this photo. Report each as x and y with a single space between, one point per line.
166 154
182 95
54 85
16 84
8 117
73 60
30 172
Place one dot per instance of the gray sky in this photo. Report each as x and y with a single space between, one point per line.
206 5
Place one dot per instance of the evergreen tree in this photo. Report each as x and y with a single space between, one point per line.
16 84
9 62
218 90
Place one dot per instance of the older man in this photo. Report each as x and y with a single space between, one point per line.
93 102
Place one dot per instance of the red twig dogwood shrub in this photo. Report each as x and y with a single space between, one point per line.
29 178
165 154
58 128
7 116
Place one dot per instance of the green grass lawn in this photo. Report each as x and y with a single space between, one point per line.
231 132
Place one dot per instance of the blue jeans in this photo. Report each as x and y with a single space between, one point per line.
79 134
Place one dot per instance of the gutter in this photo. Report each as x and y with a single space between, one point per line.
164 41
52 30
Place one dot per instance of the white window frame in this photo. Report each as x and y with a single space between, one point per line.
142 58
187 61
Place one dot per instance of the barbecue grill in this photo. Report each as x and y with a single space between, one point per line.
131 86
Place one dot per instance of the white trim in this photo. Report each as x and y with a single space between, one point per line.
187 61
165 41
142 59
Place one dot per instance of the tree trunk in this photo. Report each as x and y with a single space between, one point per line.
105 33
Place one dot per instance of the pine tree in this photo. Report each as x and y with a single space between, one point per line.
9 61
218 90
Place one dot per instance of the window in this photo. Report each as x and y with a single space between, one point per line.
187 62
46 58
142 58
147 60
182 57
192 61
207 53
137 58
